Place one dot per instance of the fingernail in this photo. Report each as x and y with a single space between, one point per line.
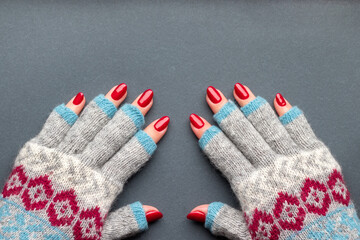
241 91
213 94
280 100
197 216
196 121
119 91
162 123
145 98
78 99
152 216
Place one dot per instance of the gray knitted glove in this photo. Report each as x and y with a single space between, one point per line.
66 178
288 183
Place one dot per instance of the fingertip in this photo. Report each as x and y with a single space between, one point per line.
199 213
148 208
242 94
215 99
117 94
77 103
144 101
152 214
198 125
281 105
157 129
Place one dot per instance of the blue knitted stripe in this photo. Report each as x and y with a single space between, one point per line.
67 114
25 222
253 106
146 141
106 105
225 111
213 210
139 214
208 135
335 225
135 115
290 116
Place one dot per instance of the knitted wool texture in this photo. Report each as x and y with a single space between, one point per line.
65 180
288 183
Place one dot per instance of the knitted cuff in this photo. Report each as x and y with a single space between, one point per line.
139 214
253 106
105 105
291 115
146 141
228 108
208 135
67 114
213 210
134 114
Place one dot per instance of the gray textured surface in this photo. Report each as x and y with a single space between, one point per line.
309 51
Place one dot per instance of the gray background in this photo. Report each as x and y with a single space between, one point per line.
308 50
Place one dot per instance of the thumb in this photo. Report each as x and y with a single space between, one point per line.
222 220
129 220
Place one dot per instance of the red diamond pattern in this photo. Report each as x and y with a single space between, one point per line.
15 183
315 196
38 193
287 210
89 226
263 227
288 213
63 209
338 189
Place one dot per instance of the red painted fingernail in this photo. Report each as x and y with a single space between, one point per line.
196 121
213 94
197 216
78 99
162 123
280 100
145 98
153 215
241 91
119 91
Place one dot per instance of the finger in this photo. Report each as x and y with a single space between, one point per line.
152 213
296 124
198 125
198 214
77 103
222 220
60 121
126 122
95 116
135 153
215 99
117 94
265 121
243 94
145 101
281 104
157 129
220 150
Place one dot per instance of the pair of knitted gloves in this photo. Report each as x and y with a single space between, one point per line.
65 180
